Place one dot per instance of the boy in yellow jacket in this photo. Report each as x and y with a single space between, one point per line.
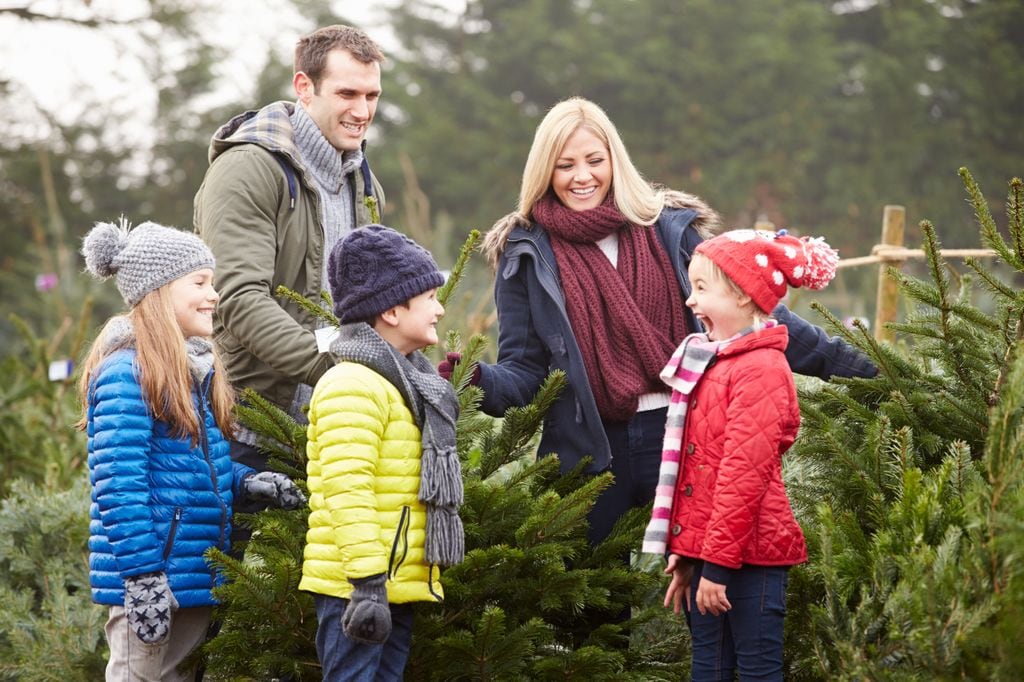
383 473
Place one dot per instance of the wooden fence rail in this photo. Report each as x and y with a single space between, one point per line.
891 252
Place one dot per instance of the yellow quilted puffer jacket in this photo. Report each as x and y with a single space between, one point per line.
364 477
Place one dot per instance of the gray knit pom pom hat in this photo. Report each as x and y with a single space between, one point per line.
144 258
374 269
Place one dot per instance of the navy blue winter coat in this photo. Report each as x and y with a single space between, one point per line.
158 502
535 337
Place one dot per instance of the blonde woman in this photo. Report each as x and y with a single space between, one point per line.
591 279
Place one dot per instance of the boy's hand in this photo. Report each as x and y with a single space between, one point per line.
682 573
272 487
711 597
367 618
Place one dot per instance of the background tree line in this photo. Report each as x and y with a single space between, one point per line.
809 113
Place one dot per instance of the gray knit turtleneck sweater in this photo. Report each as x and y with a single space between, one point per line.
331 171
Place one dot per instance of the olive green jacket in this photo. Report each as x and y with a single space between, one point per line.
265 228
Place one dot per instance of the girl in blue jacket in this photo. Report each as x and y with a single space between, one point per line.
157 407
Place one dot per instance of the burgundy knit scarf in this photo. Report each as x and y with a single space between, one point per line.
627 321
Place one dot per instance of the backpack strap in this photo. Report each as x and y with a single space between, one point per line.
289 174
367 177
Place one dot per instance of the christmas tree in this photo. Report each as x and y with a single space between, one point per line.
531 600
910 485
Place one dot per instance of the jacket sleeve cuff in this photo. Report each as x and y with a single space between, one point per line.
717 573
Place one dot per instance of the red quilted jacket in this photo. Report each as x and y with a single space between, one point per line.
730 505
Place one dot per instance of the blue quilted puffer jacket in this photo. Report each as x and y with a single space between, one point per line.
158 502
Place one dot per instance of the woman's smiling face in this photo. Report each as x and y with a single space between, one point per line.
583 171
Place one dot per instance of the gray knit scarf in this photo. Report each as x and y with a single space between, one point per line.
119 333
435 408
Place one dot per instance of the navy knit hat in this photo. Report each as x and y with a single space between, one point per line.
374 269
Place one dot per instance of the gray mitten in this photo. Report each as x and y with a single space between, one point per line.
272 487
148 602
368 616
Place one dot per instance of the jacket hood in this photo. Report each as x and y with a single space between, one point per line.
707 221
269 127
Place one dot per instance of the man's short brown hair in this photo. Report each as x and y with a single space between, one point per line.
311 51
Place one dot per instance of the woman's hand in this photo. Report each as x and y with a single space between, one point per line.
681 572
711 597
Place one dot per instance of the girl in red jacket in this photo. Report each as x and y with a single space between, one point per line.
721 510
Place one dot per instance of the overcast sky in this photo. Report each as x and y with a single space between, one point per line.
63 70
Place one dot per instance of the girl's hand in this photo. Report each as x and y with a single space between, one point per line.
711 597
681 572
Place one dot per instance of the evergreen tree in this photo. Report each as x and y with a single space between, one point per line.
531 600
38 440
910 485
49 628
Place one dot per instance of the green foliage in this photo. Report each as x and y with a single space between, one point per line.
38 441
49 627
910 489
811 114
268 626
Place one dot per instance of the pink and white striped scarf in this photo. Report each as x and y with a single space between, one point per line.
682 373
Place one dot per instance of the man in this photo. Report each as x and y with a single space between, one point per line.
285 184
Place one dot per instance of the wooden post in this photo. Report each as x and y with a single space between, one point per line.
893 219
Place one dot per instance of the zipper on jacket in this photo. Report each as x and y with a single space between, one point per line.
401 538
169 542
205 440
430 583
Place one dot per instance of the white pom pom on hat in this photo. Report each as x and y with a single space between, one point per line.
101 246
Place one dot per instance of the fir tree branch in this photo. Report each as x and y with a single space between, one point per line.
989 232
312 308
1015 213
1006 365
993 284
458 269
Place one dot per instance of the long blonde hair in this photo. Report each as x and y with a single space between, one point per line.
161 364
638 200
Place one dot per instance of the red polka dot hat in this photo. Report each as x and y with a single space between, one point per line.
763 263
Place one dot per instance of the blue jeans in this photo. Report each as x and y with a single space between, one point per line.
636 458
346 661
749 637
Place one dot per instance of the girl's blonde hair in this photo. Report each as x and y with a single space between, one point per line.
161 365
718 275
638 200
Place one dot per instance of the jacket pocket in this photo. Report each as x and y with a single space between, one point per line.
400 545
172 532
